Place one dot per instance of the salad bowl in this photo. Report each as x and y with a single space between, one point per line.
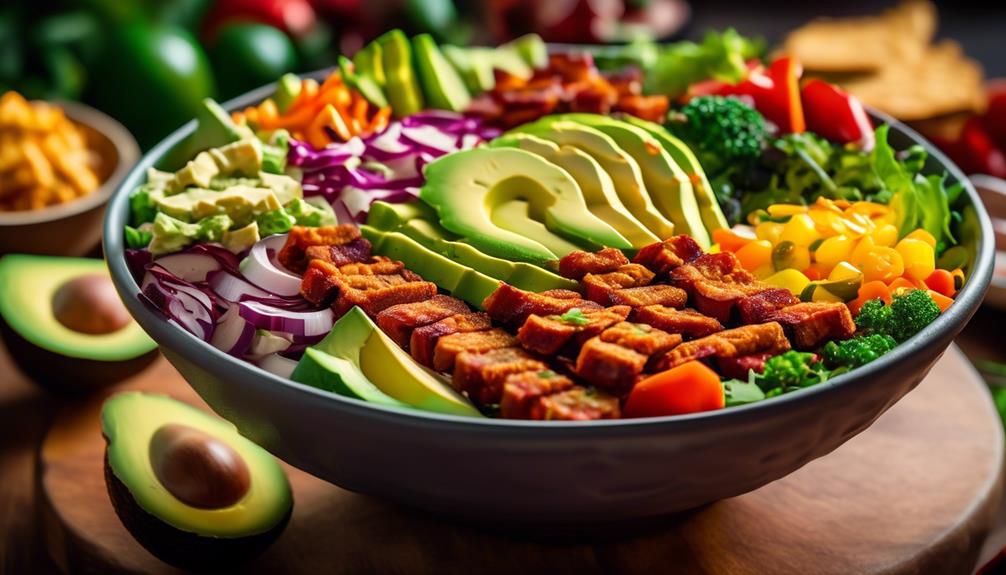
534 472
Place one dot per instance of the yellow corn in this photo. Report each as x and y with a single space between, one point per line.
922 235
918 256
769 231
882 263
778 210
833 250
885 235
791 279
844 271
800 230
755 255
864 246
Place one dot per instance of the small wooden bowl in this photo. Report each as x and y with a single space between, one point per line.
74 228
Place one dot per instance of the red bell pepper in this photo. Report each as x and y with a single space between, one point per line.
994 119
774 91
295 17
836 115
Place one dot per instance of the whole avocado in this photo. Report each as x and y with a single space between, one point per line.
152 78
246 55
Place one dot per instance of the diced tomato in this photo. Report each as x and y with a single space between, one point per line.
687 388
941 281
836 115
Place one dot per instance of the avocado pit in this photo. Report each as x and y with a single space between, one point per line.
89 304
197 468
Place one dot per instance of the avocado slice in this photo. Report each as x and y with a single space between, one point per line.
709 206
215 128
459 280
340 374
287 89
66 338
368 62
596 185
419 222
532 50
476 69
506 59
401 85
619 165
374 357
442 86
470 189
239 504
362 83
669 187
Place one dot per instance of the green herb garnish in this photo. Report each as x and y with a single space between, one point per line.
575 316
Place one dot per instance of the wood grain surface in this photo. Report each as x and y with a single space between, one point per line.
916 493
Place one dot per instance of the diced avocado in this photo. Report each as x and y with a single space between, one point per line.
419 222
374 357
243 157
618 164
460 280
241 203
241 239
532 50
215 128
507 59
596 185
475 68
340 374
367 62
100 346
362 83
669 187
712 215
188 486
401 85
468 187
287 90
442 86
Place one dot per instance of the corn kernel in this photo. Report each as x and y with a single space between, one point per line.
768 231
790 279
844 271
864 246
882 263
923 235
755 255
885 235
777 210
833 250
800 230
919 258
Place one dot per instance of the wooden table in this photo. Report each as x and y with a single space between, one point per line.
915 493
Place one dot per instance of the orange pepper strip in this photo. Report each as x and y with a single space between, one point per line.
728 240
870 290
942 301
380 120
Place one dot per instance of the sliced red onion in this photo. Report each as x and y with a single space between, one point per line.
429 138
178 302
277 364
307 323
233 334
190 266
260 268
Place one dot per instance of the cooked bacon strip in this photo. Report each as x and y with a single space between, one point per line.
378 265
547 335
481 375
609 365
649 295
578 264
319 285
399 321
598 286
511 306
640 338
758 308
716 282
813 323
424 339
293 254
687 322
738 367
449 346
521 391
576 404
660 258
373 301
746 340
358 250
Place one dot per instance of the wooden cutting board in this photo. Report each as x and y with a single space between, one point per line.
917 492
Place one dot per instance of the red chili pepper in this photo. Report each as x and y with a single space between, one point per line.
836 115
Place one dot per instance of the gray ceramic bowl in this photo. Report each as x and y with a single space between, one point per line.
542 472
74 228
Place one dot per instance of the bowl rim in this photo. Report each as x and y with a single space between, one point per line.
210 358
125 146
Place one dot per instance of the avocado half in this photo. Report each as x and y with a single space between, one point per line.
185 534
48 351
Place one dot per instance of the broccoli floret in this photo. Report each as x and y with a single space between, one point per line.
905 317
789 371
857 351
724 127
